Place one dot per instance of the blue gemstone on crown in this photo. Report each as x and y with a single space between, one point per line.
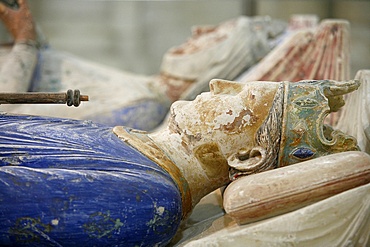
303 153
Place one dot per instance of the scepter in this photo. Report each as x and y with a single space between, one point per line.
70 98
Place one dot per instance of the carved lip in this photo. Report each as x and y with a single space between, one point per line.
234 174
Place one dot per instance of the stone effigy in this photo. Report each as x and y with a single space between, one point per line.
272 202
69 182
40 154
122 98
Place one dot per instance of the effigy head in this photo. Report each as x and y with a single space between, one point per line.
257 126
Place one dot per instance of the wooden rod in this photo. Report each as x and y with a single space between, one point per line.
70 98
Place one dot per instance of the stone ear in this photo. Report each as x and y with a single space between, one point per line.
248 161
218 86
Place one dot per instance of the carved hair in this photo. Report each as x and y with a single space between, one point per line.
265 155
269 134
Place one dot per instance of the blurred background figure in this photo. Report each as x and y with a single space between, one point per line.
125 98
134 35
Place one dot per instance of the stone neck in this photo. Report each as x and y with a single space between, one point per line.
140 141
202 178
166 149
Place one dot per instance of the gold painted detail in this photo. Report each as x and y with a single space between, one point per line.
141 142
29 230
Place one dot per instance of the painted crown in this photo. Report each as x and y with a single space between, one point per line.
304 135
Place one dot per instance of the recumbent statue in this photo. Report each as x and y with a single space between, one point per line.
287 206
71 182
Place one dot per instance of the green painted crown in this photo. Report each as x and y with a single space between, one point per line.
304 135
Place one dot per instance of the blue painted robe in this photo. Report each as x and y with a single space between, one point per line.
74 183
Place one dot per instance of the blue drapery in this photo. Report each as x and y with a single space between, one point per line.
74 183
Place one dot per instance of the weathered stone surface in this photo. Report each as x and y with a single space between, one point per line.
285 189
339 220
355 118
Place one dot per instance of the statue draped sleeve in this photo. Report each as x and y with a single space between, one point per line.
73 183
17 70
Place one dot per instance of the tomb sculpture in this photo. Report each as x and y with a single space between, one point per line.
301 204
330 41
70 182
39 154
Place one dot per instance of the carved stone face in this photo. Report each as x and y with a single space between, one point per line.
244 125
228 117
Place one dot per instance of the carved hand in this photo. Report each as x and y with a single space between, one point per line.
19 22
